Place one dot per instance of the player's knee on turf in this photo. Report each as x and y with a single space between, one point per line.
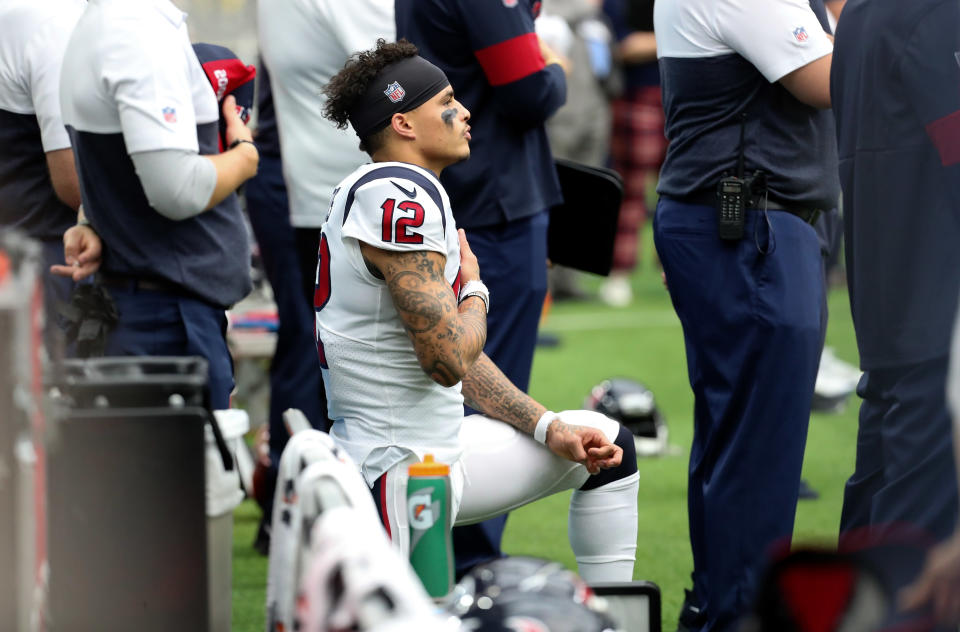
603 518
627 467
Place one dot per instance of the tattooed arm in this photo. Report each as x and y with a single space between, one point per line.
447 337
487 389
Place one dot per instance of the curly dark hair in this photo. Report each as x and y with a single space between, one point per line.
350 84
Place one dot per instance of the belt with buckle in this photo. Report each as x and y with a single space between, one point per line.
759 203
141 284
133 283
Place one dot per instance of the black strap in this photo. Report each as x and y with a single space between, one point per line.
709 198
225 455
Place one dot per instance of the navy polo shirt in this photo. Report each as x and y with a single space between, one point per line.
131 82
491 55
896 98
720 59
31 51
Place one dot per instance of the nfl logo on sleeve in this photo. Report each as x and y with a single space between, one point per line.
395 92
169 115
801 34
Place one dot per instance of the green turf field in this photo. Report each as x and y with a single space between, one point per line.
643 341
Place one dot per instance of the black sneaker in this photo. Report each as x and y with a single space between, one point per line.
690 616
548 340
261 543
806 492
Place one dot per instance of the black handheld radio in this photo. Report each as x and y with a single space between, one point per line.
734 194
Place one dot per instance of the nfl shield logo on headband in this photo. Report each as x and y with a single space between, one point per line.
395 92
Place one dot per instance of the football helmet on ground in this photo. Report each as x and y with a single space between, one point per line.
633 405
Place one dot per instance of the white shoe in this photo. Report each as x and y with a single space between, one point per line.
836 380
616 291
841 370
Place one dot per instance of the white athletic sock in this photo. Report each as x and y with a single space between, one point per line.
602 529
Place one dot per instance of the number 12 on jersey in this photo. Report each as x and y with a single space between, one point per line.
396 230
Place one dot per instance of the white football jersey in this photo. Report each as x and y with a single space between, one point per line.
383 405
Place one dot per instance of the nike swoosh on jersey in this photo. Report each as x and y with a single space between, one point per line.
412 194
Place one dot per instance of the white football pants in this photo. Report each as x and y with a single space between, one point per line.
502 469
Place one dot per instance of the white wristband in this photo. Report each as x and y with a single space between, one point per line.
475 288
540 432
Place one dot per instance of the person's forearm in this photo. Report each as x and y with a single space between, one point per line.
63 176
472 321
487 389
234 167
810 84
639 47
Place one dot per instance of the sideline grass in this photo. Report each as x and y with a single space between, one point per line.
597 343
249 572
645 342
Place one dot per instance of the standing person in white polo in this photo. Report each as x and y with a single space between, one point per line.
304 44
144 126
39 191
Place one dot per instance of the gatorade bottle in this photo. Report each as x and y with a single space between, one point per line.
428 512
